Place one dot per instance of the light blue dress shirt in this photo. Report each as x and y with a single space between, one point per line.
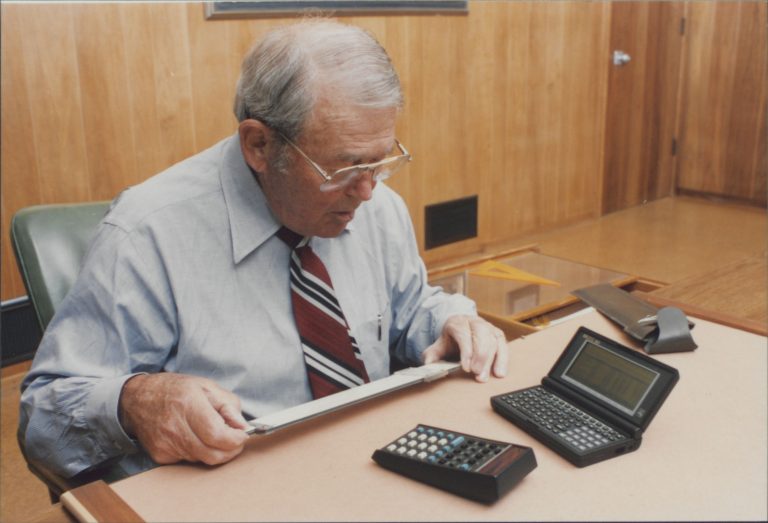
186 275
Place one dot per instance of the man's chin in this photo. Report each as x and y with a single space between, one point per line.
332 228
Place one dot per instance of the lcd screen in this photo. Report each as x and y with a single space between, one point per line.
616 380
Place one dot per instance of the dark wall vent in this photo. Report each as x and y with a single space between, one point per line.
449 222
19 331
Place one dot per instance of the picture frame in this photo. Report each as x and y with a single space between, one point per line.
276 8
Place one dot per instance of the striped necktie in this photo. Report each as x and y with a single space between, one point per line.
331 353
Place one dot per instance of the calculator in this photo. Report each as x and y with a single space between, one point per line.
476 468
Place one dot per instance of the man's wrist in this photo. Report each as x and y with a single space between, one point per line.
124 403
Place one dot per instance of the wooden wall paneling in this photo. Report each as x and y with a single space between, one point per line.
561 51
760 169
107 109
539 161
665 104
412 121
551 137
642 103
722 130
480 128
49 56
495 105
43 150
216 50
158 62
516 187
751 83
172 72
142 130
584 88
444 118
18 148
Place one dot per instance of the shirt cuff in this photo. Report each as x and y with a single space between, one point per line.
456 304
103 408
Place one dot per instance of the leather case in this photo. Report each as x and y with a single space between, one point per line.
662 330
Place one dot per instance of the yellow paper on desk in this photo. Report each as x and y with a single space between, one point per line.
494 269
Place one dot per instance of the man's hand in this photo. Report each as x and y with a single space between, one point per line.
480 346
178 417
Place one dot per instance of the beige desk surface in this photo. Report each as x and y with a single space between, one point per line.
703 457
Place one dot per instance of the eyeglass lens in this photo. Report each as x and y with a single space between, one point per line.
379 173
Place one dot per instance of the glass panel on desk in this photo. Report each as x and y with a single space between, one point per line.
514 299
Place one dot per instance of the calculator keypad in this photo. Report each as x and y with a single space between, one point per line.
441 447
476 468
572 425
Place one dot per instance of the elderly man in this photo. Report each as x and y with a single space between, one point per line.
250 277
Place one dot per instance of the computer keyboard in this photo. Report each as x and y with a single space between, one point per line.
564 420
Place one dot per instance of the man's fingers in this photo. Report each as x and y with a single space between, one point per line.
458 329
501 364
436 351
482 347
233 417
212 423
227 405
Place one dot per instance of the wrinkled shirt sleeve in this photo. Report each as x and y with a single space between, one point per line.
419 310
116 322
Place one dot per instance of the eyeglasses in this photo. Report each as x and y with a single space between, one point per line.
380 170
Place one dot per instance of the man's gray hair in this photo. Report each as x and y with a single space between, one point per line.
283 74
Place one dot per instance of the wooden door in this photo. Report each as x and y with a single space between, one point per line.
642 103
722 141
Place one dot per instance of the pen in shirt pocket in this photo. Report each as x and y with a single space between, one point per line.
380 318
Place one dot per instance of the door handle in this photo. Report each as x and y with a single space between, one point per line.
620 58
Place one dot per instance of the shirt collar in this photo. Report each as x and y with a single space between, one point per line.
251 222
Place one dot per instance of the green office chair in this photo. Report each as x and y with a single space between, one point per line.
49 242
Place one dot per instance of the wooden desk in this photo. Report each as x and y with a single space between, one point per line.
703 457
735 294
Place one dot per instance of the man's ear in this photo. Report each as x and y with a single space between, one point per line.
255 138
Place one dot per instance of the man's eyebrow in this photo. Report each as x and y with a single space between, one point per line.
345 157
354 158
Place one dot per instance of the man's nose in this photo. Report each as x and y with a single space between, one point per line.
362 186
